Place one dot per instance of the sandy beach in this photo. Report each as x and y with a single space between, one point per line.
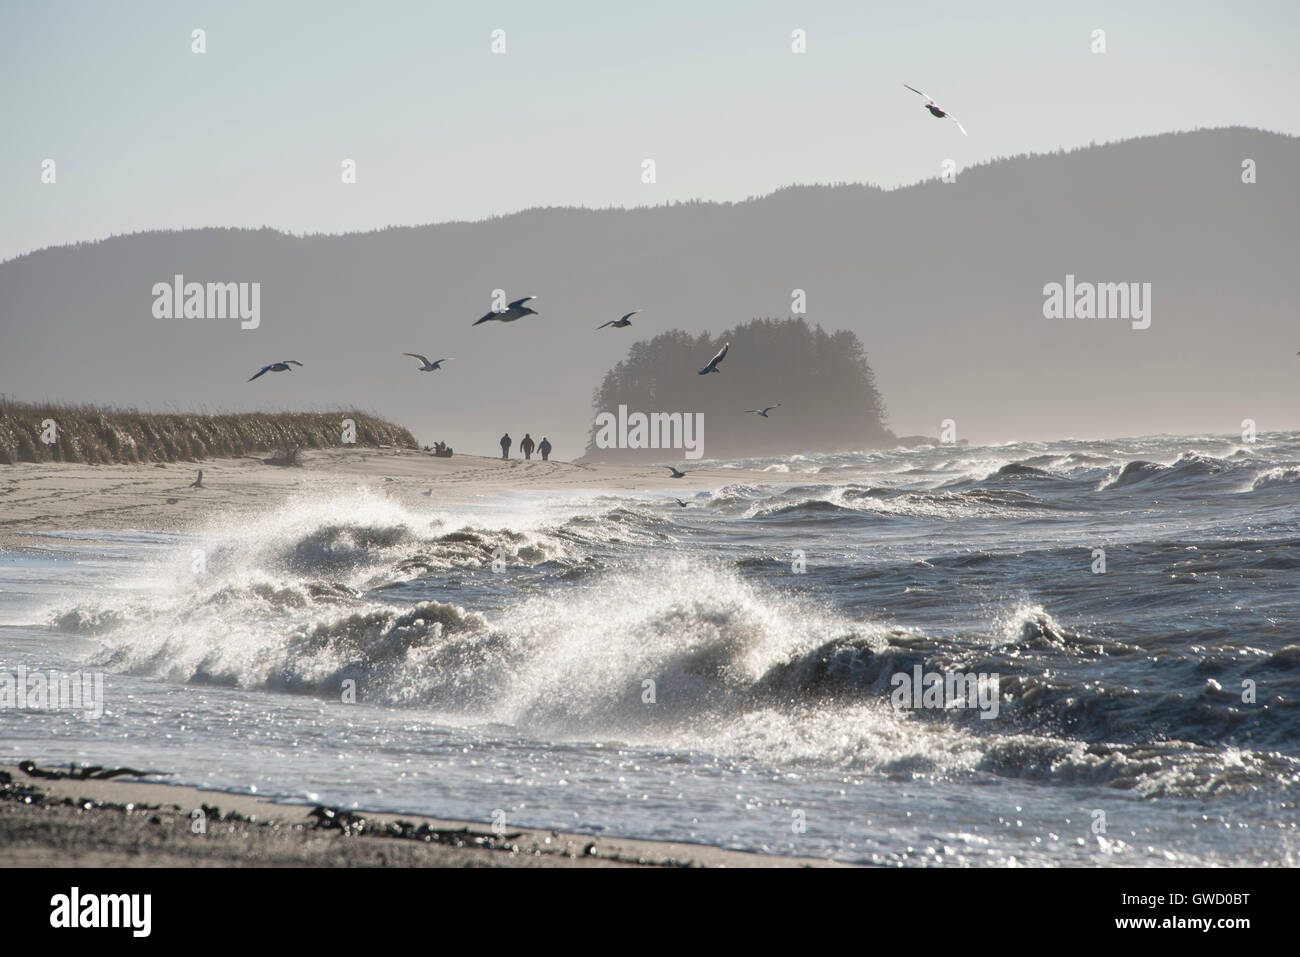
126 822
46 497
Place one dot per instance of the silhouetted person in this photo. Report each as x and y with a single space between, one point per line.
505 446
526 446
545 448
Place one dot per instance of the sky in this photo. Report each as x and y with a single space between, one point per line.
147 134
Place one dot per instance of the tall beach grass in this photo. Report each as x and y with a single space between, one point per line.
94 435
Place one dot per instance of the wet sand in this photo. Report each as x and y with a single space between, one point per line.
126 822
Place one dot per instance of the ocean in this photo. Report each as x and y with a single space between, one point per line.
752 671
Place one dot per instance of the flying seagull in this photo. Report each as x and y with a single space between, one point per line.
681 503
765 410
620 323
676 474
516 310
713 363
278 367
933 107
428 366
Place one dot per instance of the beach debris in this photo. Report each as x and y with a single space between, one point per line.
22 793
328 818
287 457
353 823
94 772
213 813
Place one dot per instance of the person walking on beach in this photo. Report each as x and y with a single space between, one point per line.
545 448
526 446
505 446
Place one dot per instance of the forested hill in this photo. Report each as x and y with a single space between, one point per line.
822 381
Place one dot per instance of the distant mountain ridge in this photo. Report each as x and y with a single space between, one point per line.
942 283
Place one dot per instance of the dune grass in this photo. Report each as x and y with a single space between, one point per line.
97 436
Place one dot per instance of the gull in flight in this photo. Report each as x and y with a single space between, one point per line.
620 323
713 363
277 367
934 109
516 310
681 503
427 365
676 473
765 410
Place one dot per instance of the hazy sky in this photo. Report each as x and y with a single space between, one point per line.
148 135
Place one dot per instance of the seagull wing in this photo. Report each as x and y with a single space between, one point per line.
416 356
630 315
927 96
520 303
713 363
604 324
292 362
265 369
491 315
958 122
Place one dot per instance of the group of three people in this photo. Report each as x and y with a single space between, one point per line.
526 446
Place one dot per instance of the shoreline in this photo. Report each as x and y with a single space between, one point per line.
67 498
132 822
